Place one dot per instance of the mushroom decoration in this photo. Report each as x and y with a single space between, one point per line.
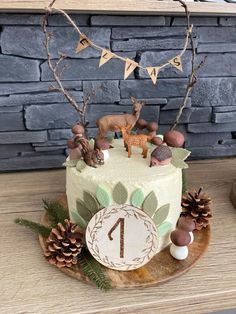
181 237
161 155
75 144
174 138
103 145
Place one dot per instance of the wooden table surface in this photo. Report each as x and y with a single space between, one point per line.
29 285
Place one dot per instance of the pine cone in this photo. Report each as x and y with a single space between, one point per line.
197 205
64 244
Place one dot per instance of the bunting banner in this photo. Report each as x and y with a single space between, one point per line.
83 43
130 66
153 72
106 55
176 62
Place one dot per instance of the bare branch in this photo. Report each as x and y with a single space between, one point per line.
192 79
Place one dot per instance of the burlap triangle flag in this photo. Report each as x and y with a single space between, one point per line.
176 62
130 66
83 43
106 55
153 72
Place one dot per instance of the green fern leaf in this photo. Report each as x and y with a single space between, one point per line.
137 198
83 210
164 228
91 202
56 212
180 153
40 229
184 182
150 204
80 165
161 214
120 193
93 270
178 163
103 196
91 143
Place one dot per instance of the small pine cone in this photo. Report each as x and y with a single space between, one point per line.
64 244
162 152
197 206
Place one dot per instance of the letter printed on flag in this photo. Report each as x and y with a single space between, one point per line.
106 55
83 43
177 63
130 66
153 72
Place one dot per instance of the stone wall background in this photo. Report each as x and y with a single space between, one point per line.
35 123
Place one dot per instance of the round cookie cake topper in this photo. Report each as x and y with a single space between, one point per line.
122 237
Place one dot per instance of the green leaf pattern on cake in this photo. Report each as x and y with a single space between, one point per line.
137 198
179 155
105 197
120 194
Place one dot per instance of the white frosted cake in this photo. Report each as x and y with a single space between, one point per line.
135 175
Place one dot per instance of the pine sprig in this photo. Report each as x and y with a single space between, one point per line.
56 212
41 229
184 182
93 270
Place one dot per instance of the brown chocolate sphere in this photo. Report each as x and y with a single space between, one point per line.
102 144
174 138
152 126
78 129
156 141
186 223
71 144
180 237
141 124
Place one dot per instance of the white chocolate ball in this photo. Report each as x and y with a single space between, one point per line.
192 237
106 154
179 252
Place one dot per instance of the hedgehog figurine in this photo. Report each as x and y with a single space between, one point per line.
161 155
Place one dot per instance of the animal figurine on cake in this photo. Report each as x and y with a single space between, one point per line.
130 140
80 148
115 122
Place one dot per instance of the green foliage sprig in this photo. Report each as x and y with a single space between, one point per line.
41 229
56 212
93 270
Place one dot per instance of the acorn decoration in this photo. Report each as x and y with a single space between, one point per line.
197 206
161 155
64 244
181 237
174 138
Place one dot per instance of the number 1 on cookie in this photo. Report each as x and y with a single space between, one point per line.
121 222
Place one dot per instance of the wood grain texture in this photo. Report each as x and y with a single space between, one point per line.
30 285
120 7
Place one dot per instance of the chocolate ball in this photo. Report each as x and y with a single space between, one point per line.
174 138
78 129
141 124
102 144
71 144
180 237
186 223
152 126
156 141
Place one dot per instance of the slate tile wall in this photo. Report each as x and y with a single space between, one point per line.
35 123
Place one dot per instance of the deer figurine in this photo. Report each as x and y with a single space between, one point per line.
115 122
139 140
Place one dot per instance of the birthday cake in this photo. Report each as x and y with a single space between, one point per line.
140 171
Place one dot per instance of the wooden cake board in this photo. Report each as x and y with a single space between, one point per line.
161 268
233 194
